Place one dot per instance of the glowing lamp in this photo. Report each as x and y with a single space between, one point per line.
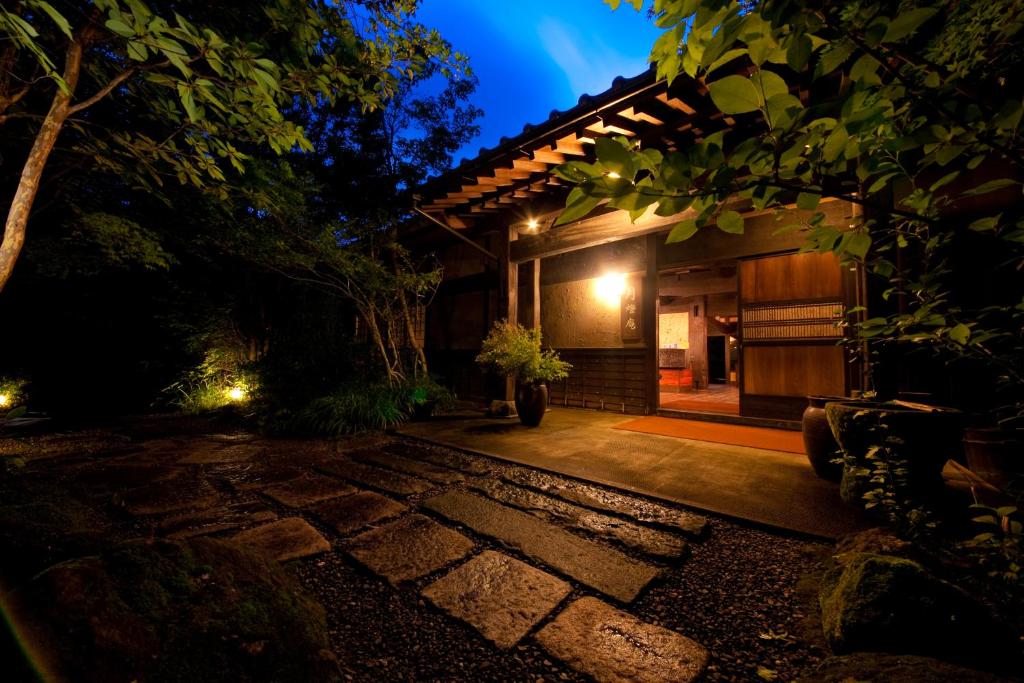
532 225
610 288
4 400
613 175
236 393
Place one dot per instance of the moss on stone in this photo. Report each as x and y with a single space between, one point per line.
164 610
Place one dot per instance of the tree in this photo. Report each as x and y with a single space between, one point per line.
204 83
922 130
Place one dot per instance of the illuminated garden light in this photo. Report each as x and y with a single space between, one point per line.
236 394
5 400
613 175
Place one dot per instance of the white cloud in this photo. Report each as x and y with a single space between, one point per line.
587 61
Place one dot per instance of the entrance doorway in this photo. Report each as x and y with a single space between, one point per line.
698 356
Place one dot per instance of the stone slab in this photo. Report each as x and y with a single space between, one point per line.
251 476
307 490
615 647
637 509
214 452
649 541
408 548
125 475
215 520
351 513
285 539
434 473
499 596
449 459
377 478
175 495
592 564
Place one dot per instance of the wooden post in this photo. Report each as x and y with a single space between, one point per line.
508 293
536 294
649 306
698 321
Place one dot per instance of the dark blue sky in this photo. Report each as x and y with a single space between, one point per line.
532 56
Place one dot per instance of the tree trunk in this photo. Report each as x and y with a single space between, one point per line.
32 171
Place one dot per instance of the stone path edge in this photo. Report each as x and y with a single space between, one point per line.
623 488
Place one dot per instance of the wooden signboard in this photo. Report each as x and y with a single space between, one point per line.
632 316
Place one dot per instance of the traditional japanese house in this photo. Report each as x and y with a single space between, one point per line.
721 326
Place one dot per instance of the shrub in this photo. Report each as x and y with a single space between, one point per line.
350 410
512 350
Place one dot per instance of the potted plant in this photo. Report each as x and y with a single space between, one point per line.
425 395
514 351
921 437
819 443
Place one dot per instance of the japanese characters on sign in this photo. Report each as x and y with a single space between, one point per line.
632 315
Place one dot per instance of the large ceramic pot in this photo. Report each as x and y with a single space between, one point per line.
924 439
996 455
819 443
531 402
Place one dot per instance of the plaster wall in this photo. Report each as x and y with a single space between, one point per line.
573 314
674 330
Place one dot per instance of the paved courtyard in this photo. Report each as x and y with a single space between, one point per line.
409 545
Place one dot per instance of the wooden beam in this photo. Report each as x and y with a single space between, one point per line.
601 129
676 103
633 114
548 156
608 227
511 173
526 164
570 145
485 180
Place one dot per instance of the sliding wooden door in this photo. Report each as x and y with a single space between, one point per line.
789 308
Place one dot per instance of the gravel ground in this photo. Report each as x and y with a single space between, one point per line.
736 594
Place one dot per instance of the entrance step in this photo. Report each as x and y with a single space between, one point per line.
653 542
592 564
725 418
613 646
636 509
499 596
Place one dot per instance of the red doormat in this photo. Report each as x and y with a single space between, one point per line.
736 435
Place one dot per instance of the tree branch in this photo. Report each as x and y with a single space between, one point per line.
103 92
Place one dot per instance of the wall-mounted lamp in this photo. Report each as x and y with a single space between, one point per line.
532 224
610 288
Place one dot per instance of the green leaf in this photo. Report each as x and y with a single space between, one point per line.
577 205
56 16
835 144
960 334
807 201
985 224
990 186
730 222
120 28
834 58
682 231
858 244
799 52
735 95
615 157
908 22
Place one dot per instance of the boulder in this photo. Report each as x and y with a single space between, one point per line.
200 610
890 604
869 667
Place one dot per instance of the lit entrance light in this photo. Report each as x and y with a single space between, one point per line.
610 288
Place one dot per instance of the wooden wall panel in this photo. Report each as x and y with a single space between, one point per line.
790 277
793 370
608 379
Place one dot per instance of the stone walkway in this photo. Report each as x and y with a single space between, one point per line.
514 553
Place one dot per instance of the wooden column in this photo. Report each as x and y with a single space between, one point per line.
508 292
649 306
536 294
698 322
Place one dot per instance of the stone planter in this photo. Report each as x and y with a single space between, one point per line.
531 403
924 439
996 455
819 443
423 411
